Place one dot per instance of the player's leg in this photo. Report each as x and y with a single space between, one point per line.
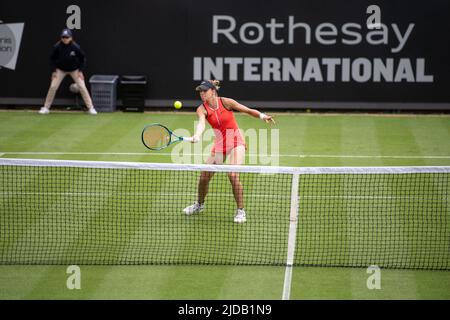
237 157
78 78
206 176
57 77
203 183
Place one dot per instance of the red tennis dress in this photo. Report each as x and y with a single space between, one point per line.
226 130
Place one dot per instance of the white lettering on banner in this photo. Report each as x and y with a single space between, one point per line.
384 69
252 26
233 67
312 69
292 69
321 32
226 29
331 67
404 71
361 70
293 26
271 69
211 69
345 70
250 67
273 31
401 38
420 72
378 36
197 68
346 29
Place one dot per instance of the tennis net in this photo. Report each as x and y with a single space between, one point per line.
80 212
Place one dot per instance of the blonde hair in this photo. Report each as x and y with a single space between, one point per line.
216 84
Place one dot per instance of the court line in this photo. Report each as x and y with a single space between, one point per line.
293 222
151 194
250 155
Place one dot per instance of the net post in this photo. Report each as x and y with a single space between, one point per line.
293 222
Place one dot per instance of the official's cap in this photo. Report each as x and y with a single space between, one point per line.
66 33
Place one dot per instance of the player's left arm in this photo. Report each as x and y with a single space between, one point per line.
234 105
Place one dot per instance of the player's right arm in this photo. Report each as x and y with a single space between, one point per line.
201 113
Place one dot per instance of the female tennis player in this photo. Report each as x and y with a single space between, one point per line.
228 142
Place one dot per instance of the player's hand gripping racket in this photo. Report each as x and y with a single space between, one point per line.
156 137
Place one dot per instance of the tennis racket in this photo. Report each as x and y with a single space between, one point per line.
156 137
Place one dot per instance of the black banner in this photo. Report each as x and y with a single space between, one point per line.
276 50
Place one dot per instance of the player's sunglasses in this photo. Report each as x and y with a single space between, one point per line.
65 37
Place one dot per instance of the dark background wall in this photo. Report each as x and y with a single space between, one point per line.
161 38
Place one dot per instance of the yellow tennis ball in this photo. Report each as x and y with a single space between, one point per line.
177 104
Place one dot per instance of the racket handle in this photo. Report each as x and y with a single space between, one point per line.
190 139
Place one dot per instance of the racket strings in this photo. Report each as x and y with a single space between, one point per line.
156 137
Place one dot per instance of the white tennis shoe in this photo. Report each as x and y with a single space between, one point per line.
92 111
44 110
195 208
240 216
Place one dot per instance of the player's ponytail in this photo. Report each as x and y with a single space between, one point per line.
216 84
